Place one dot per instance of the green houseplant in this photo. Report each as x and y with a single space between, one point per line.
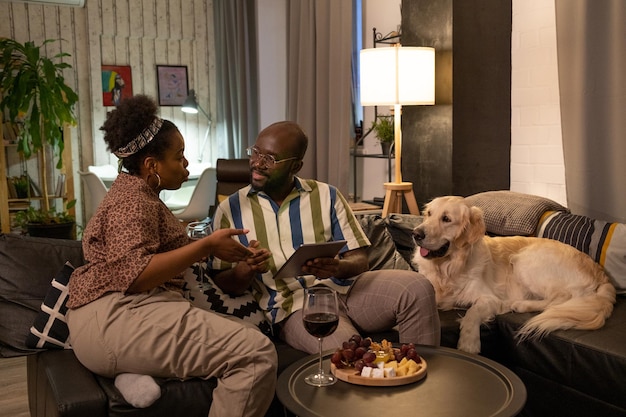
35 95
47 223
384 128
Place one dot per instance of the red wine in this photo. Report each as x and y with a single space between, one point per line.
321 324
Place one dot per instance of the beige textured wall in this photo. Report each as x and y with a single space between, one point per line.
139 33
537 165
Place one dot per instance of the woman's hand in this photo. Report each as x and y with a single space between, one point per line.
224 247
163 266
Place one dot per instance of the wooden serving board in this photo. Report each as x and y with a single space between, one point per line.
351 376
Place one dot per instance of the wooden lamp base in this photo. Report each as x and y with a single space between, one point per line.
393 198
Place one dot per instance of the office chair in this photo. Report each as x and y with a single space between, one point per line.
202 198
94 190
232 175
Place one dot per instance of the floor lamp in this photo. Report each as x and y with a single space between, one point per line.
191 106
397 76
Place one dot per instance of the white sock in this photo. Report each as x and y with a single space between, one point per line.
140 391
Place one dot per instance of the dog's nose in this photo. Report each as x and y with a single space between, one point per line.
418 234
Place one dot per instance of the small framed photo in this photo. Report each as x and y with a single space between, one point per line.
173 85
117 84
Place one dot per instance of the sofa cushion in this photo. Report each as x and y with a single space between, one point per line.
27 265
400 227
50 331
244 307
382 253
508 213
605 242
590 362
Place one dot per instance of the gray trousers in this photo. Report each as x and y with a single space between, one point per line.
378 301
159 333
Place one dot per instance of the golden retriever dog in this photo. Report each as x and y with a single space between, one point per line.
495 275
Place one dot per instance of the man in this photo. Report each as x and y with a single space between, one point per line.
283 211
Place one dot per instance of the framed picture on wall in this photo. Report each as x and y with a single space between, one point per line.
172 83
117 84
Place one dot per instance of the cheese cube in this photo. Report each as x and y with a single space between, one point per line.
392 364
390 372
380 365
378 373
366 371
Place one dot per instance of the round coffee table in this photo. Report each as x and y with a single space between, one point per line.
456 384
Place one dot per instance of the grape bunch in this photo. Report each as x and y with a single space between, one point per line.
357 353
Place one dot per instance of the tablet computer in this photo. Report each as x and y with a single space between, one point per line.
293 266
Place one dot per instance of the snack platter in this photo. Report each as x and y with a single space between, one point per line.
362 361
351 376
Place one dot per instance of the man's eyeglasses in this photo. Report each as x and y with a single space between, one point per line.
268 160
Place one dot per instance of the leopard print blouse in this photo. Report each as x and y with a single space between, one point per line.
129 227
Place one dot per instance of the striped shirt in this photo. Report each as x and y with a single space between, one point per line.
313 212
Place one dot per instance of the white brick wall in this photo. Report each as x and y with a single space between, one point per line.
536 149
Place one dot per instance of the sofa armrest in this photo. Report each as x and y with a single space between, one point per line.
60 386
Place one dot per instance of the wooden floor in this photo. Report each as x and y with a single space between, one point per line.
13 390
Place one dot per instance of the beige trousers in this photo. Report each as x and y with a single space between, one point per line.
376 302
159 333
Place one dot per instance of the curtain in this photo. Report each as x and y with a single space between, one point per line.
591 49
237 76
319 85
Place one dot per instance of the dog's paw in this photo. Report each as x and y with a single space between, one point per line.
518 306
469 346
523 306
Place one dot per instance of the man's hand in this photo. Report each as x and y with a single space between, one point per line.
259 260
350 264
322 267
237 280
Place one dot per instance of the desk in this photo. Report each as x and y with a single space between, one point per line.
457 384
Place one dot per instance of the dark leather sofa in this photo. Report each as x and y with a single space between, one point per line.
58 384
567 373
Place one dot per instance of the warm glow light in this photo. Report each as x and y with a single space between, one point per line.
397 75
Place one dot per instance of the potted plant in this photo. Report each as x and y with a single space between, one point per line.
384 128
35 95
47 223
22 186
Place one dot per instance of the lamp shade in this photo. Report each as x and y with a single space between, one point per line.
190 105
397 75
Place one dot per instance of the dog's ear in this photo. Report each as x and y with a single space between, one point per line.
425 209
477 228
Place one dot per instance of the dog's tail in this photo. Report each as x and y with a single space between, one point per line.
586 313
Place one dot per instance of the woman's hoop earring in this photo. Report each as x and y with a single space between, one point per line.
156 174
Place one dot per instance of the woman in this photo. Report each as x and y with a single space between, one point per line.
127 315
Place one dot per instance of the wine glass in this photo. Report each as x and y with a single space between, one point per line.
199 230
320 316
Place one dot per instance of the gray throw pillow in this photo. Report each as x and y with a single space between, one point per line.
382 253
508 213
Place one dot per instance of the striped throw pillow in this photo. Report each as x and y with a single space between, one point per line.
604 241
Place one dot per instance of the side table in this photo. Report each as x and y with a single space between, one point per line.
457 384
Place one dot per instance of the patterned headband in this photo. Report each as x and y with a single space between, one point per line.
144 138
